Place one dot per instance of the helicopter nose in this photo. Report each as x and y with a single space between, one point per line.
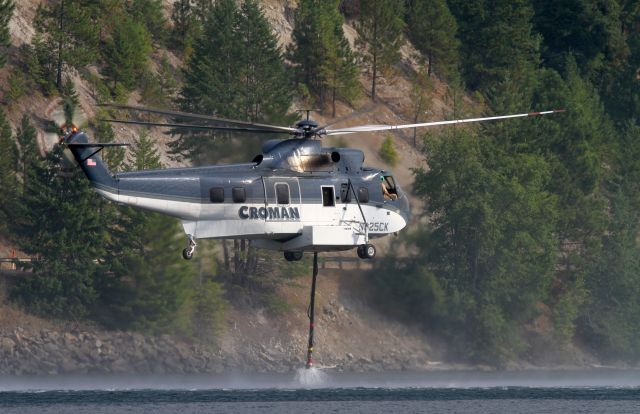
405 207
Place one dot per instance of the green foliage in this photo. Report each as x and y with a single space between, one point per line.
387 151
621 91
69 101
127 53
412 290
39 63
6 12
151 14
159 281
145 284
158 89
103 132
379 30
276 305
241 76
432 29
610 321
68 37
144 154
17 88
8 163
29 154
322 56
490 244
589 31
185 24
60 222
208 307
497 40
421 94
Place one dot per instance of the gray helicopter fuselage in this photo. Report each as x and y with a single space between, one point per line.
296 195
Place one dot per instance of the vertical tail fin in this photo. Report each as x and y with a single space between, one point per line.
87 156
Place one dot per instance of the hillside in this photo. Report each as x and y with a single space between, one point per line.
523 247
351 334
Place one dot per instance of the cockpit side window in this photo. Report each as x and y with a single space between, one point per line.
388 186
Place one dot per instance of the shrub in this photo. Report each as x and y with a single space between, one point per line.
387 152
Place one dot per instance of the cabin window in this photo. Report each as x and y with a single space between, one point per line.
363 194
345 193
328 199
282 193
238 194
216 195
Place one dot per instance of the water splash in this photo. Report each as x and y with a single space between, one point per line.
310 378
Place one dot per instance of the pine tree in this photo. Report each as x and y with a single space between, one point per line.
150 13
590 31
8 164
379 30
610 316
127 53
60 222
69 33
266 93
6 12
29 154
142 285
338 68
143 155
240 76
432 29
497 40
103 132
306 50
322 56
211 79
421 92
187 25
70 101
491 239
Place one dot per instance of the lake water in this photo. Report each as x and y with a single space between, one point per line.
590 391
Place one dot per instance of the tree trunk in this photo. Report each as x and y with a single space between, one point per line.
60 28
374 54
225 251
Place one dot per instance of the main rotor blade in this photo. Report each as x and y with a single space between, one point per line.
199 117
367 108
195 127
373 128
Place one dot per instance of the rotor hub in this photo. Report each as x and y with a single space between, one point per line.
306 127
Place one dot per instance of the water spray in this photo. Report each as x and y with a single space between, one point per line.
311 309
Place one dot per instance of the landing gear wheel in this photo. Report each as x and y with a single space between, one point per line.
187 253
360 251
369 251
293 256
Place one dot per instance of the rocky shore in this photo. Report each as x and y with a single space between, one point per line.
49 352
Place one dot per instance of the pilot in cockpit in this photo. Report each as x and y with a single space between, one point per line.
388 195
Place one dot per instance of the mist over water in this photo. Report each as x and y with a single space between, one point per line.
327 391
327 378
311 378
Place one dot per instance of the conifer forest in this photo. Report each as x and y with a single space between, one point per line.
517 219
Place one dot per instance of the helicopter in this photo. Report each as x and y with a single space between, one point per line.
295 196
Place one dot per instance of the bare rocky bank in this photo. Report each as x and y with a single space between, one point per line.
350 336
